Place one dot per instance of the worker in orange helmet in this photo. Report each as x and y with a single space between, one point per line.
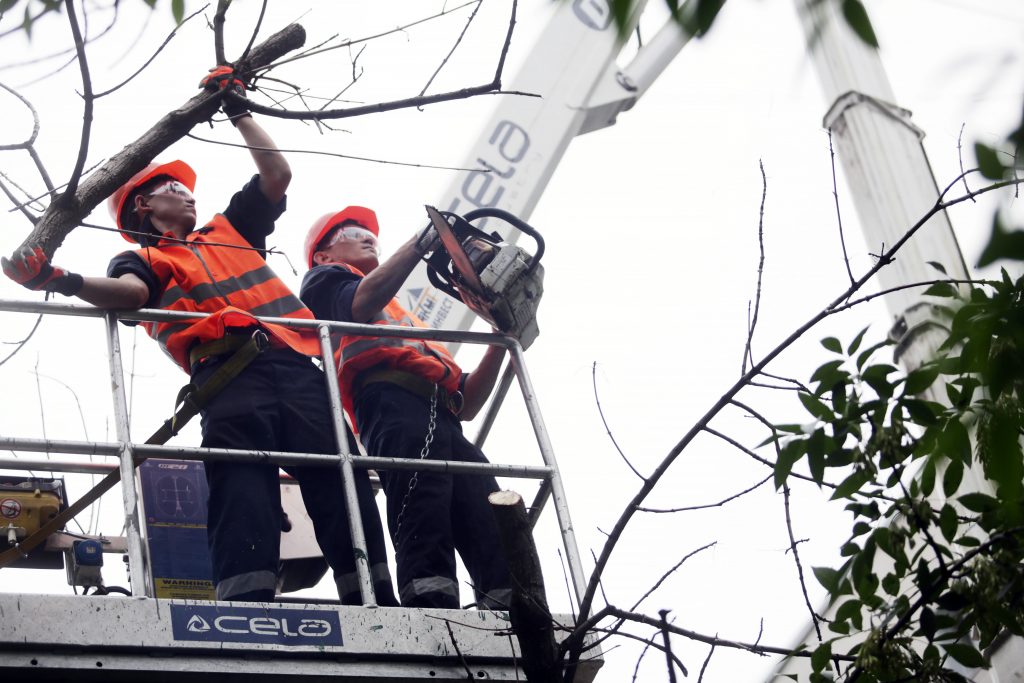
275 403
405 399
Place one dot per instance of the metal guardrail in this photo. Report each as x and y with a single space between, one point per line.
127 450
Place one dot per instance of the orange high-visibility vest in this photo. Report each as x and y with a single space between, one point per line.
424 358
233 285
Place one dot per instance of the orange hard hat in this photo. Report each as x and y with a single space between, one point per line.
178 170
323 225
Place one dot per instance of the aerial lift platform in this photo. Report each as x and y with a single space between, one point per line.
144 637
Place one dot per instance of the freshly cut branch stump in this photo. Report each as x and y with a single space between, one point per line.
528 611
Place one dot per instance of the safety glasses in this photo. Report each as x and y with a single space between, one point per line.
172 188
349 232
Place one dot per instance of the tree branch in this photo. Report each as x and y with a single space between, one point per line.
59 220
83 146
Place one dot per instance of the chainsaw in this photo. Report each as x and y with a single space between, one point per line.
500 282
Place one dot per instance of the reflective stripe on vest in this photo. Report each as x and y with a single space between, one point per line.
427 359
233 285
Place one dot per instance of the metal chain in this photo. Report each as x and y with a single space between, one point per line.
424 452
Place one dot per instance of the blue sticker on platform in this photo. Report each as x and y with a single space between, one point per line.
270 626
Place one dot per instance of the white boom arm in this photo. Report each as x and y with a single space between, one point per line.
572 67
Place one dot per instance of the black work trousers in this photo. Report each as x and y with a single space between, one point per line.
279 403
443 512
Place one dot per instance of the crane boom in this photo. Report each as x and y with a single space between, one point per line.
580 89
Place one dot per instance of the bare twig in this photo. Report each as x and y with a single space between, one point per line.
35 122
455 644
720 503
799 567
643 653
960 158
670 572
580 631
755 456
14 200
218 31
335 154
21 344
704 666
752 322
149 61
51 191
458 41
255 31
666 637
316 49
492 88
607 429
839 214
83 148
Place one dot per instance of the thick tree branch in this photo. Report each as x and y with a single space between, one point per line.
62 217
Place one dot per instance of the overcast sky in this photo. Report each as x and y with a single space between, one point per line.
651 261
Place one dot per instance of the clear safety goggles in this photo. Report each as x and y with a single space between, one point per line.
350 232
172 188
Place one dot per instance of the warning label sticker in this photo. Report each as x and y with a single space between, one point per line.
10 508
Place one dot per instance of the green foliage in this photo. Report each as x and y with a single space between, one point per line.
899 459
34 10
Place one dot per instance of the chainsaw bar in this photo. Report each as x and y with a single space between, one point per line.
459 259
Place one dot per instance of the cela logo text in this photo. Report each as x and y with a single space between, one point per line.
197 624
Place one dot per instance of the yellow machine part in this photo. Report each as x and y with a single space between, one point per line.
27 510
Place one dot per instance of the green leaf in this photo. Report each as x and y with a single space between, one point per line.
968 541
924 413
151 3
815 407
921 378
857 18
828 578
866 354
855 344
953 476
851 485
943 289
928 478
938 266
820 656
7 4
978 502
988 162
832 344
967 655
788 457
948 522
877 377
891 584
927 622
829 374
1002 244
178 10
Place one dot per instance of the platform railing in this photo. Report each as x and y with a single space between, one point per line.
128 451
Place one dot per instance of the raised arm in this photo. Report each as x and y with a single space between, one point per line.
275 174
380 286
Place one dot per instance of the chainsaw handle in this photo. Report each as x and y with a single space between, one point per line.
517 223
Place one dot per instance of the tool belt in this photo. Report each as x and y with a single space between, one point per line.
189 402
412 383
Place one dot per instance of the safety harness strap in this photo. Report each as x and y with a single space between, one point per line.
190 401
